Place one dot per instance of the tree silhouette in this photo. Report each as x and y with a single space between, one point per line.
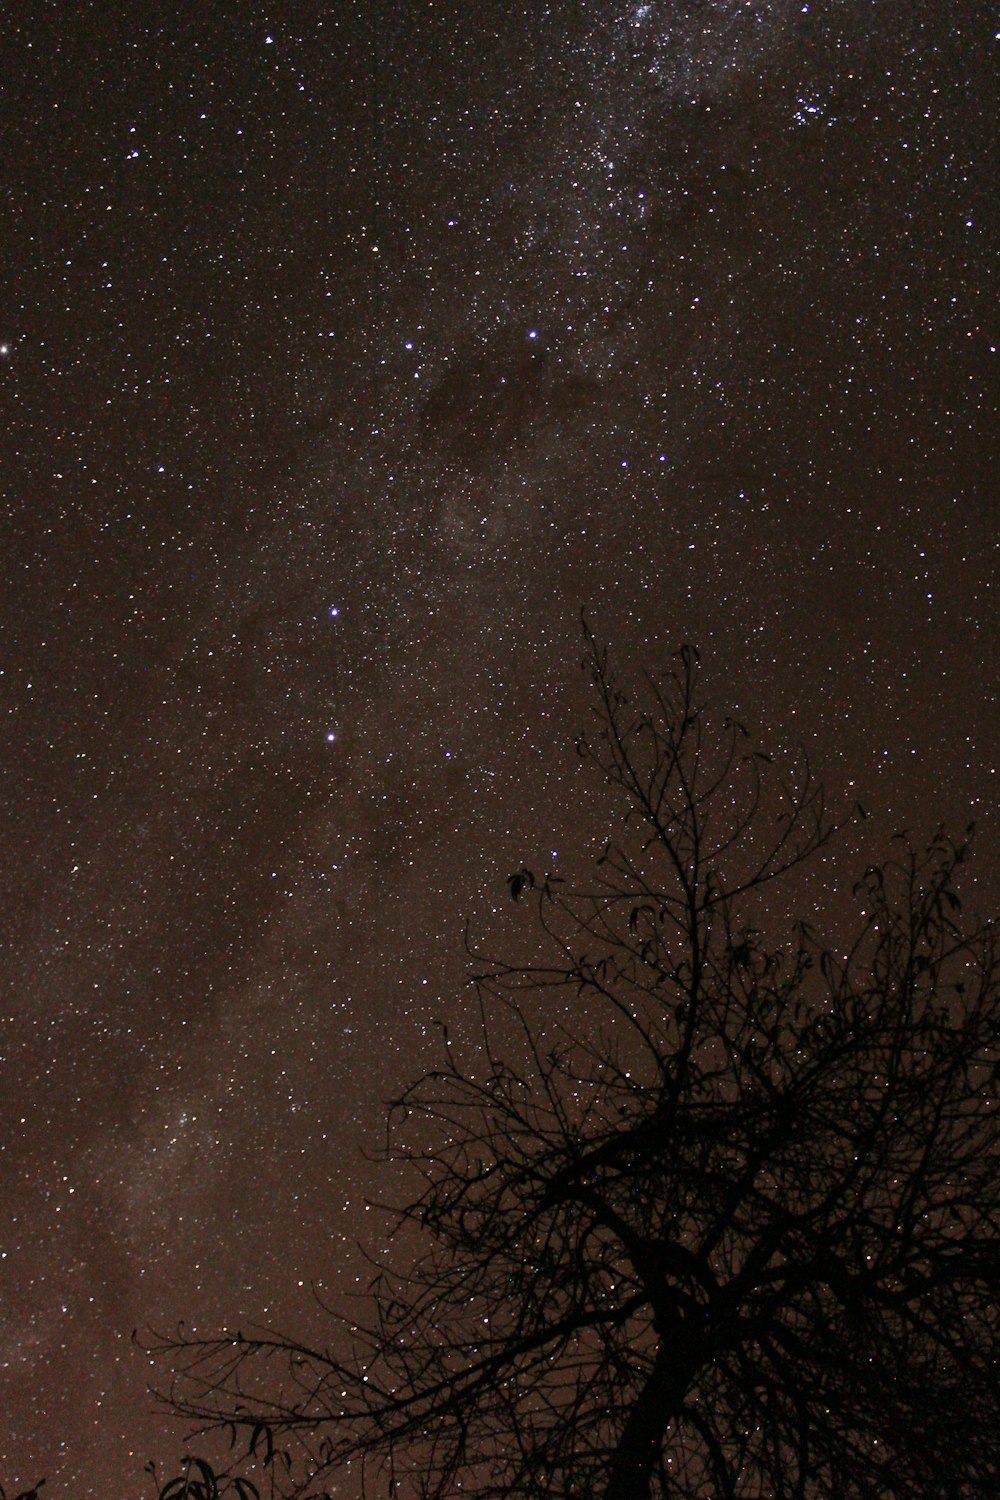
29 1494
702 1214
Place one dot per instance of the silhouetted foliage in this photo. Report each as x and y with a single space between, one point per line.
702 1214
31 1494
198 1480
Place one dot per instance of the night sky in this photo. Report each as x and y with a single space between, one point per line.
346 351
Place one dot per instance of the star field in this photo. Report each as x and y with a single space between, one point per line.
347 352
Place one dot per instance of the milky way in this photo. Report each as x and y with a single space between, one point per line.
346 357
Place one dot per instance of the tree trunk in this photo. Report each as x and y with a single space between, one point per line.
658 1402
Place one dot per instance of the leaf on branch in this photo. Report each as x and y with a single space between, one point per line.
262 1434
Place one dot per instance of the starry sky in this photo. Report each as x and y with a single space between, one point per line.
346 351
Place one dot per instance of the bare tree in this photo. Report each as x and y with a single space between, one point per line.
702 1215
